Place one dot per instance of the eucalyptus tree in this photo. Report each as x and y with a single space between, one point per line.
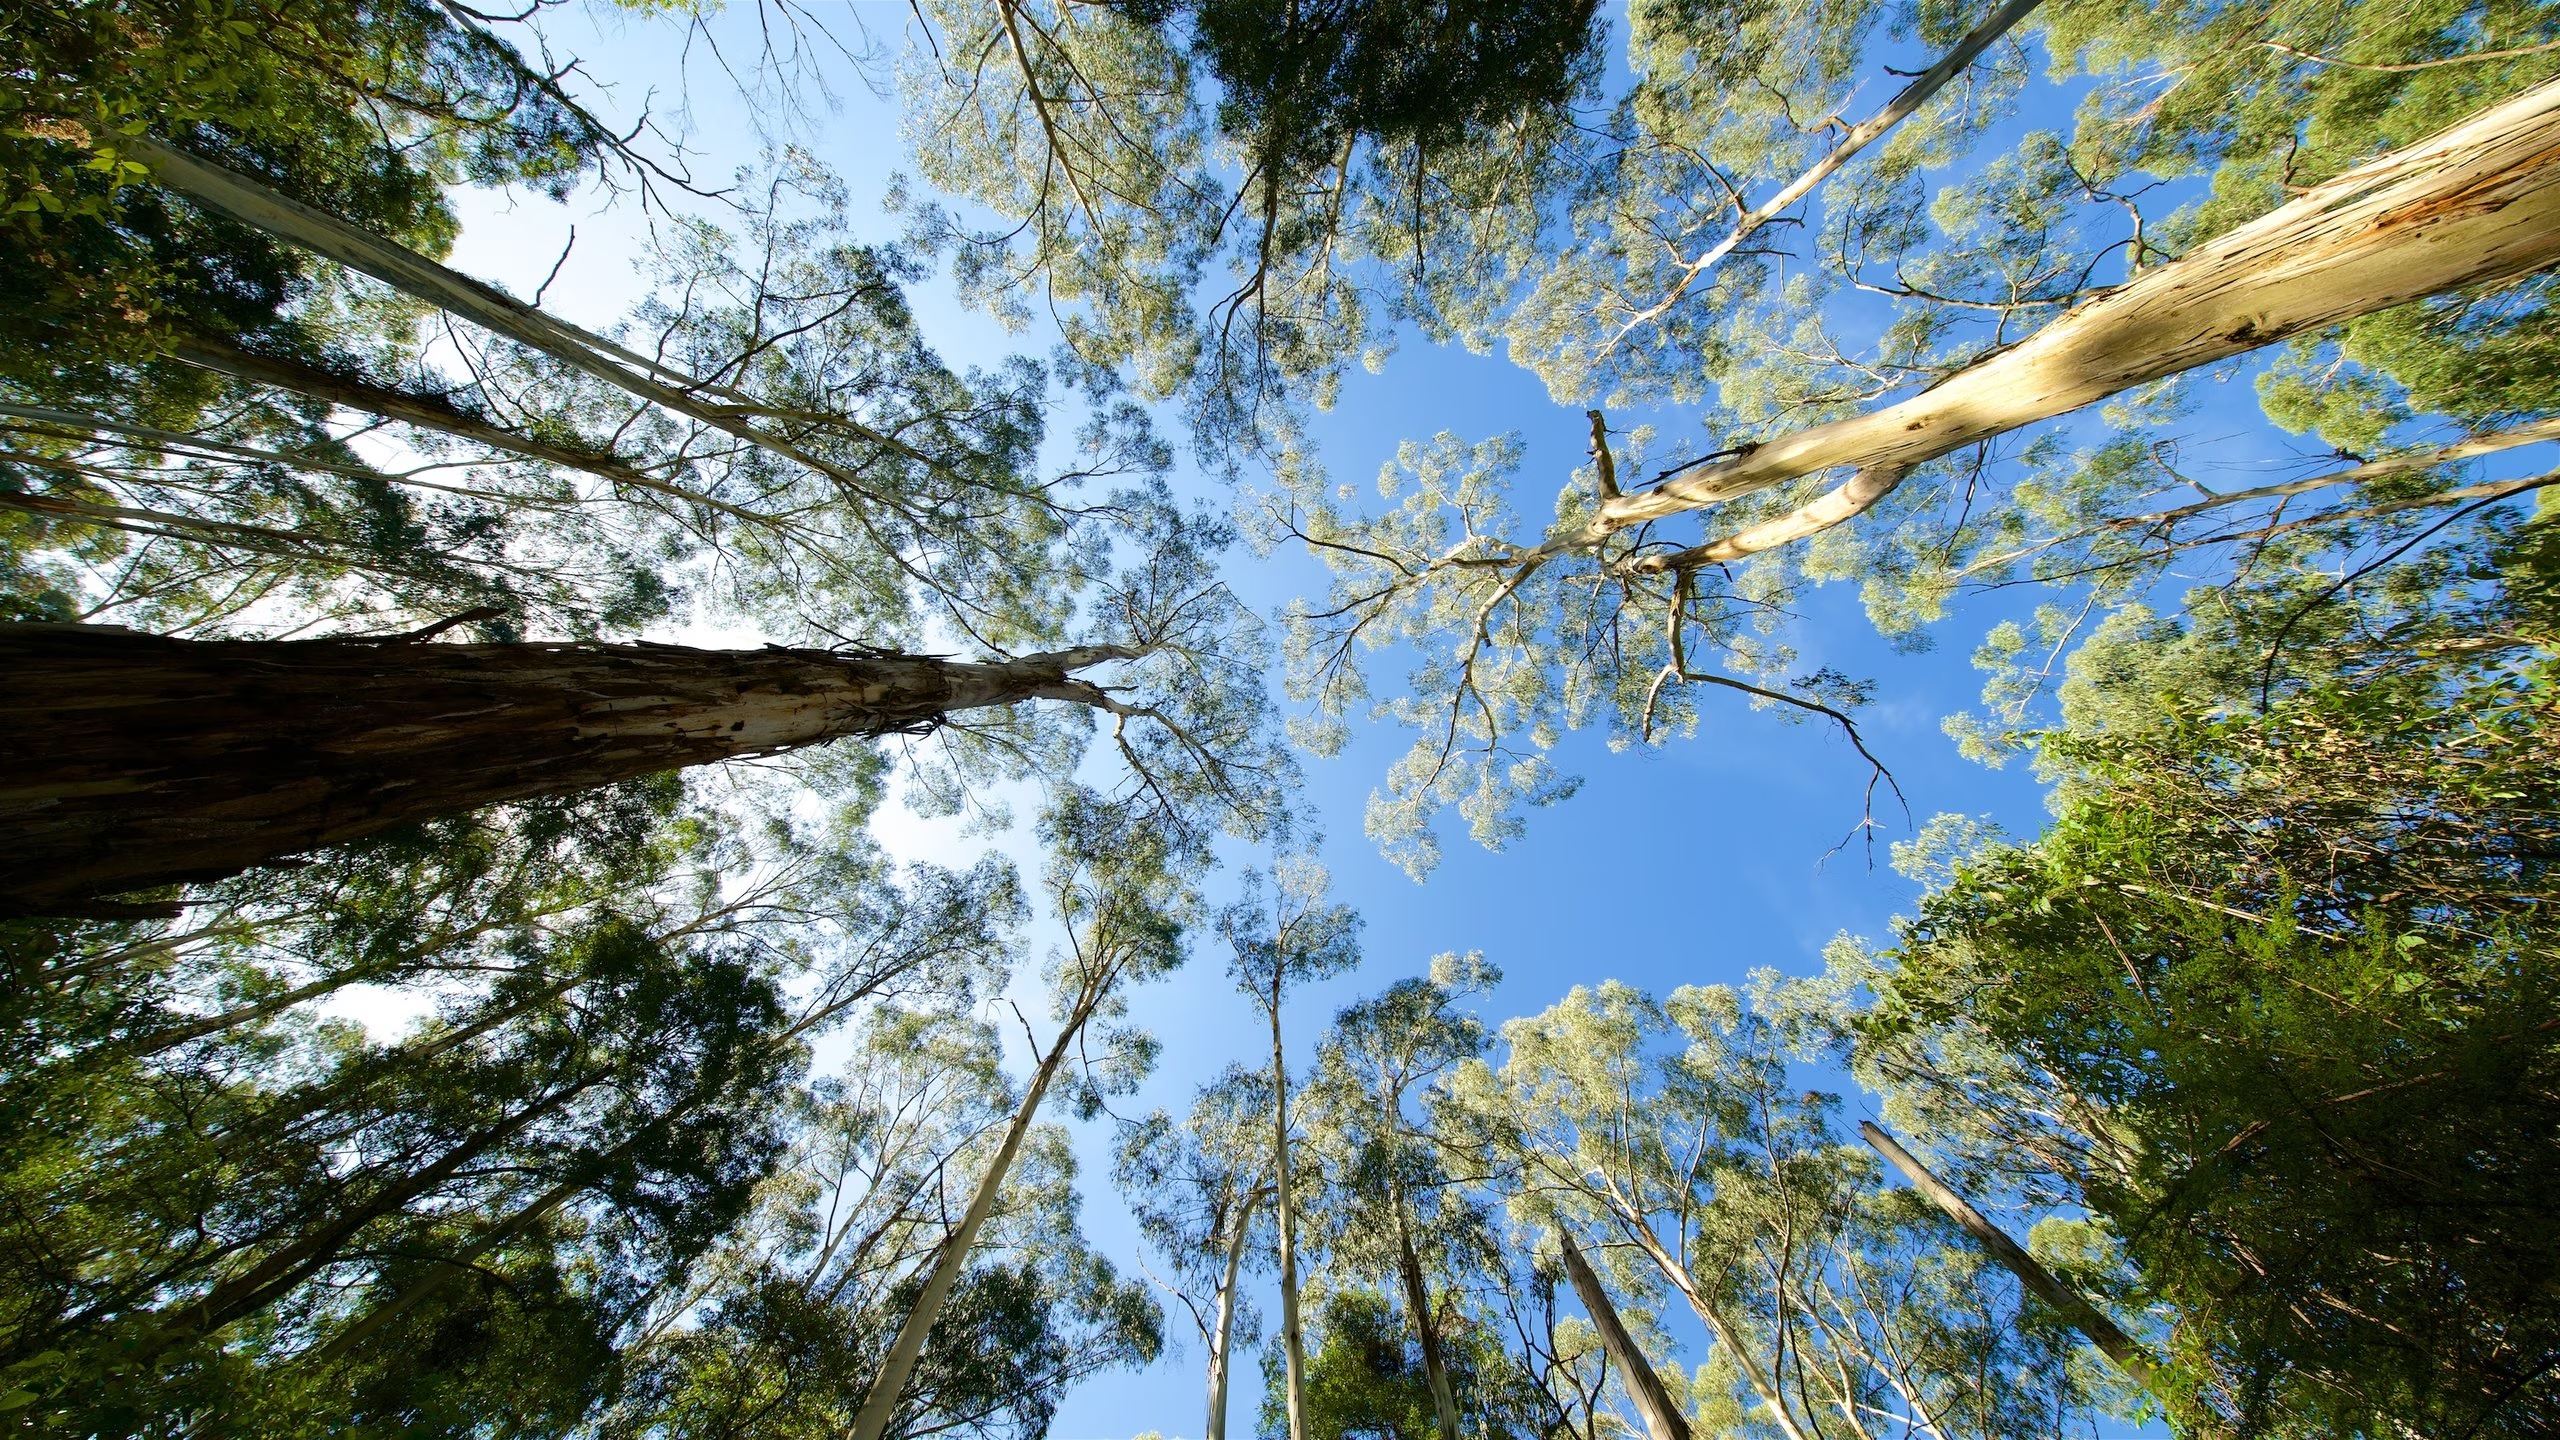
1704 1169
1283 933
2265 996
231 1207
1394 1212
1196 1190
2272 196
782 1330
1123 888
1318 173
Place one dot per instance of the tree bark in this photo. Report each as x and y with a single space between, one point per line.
1662 1419
1293 1339
2476 204
146 760
2123 1349
1220 1361
1417 1301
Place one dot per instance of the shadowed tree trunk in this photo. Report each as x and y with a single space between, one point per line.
145 760
1662 1418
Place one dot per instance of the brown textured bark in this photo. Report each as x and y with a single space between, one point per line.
145 760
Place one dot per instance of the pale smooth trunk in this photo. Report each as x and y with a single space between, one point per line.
882 1404
1293 1341
2476 204
2123 1349
1220 1361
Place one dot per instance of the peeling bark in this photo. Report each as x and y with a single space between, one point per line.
146 760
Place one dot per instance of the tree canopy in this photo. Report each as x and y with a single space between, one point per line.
441 1002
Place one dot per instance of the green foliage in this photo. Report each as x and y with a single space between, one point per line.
1359 163
2270 997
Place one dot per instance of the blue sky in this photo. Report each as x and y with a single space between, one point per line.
1693 864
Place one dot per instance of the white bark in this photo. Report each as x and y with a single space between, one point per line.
2478 203
881 1405
1220 1344
1293 1340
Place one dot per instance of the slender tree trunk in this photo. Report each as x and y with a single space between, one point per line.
148 760
1220 1360
254 204
1762 1384
1662 1419
1426 1329
425 411
1293 1339
2476 204
2123 1349
881 1406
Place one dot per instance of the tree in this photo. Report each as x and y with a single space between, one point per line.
1990 319
1381 1058
1358 163
226 1205
1282 934
1196 1191
1706 1169
158 742
782 1333
2265 998
1123 889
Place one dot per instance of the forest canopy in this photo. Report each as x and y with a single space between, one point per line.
745 852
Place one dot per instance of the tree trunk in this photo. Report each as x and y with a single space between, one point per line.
1293 1339
1220 1360
1761 1382
2476 204
425 411
254 204
2082 1316
1417 1301
881 1405
1662 1419
147 760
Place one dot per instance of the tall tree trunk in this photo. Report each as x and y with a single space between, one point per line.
1293 1339
881 1405
1221 1343
1662 1419
2476 204
1762 1383
254 204
2123 1349
425 411
1426 1329
148 760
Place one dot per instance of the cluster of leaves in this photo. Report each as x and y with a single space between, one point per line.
2272 996
592 1185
